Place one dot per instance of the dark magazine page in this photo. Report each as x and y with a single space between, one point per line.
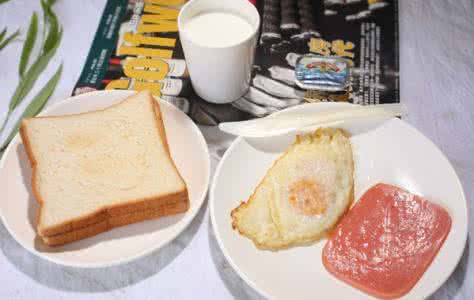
137 47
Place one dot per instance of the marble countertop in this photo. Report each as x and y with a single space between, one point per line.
437 79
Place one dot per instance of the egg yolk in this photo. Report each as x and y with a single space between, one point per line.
307 197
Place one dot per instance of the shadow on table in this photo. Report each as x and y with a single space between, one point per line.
98 279
236 286
454 283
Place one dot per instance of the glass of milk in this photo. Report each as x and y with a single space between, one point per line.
219 39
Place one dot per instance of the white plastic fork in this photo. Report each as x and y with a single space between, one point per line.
278 124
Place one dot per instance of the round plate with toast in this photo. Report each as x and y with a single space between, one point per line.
388 151
19 207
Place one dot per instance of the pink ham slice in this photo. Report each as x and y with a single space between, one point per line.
386 241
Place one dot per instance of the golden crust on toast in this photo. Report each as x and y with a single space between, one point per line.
106 217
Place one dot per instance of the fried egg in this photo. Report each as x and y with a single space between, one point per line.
303 195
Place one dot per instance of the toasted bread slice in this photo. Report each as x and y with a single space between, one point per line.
115 221
91 167
302 195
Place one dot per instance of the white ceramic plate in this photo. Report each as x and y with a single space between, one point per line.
18 207
391 152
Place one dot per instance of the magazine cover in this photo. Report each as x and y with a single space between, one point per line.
137 47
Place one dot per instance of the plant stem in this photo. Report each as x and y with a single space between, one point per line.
5 121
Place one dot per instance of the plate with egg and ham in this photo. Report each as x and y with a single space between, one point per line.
365 209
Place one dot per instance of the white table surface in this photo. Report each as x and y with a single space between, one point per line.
437 86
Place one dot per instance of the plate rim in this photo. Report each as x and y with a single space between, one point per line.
145 252
220 243
260 291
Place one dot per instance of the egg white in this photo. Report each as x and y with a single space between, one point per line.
274 218
324 160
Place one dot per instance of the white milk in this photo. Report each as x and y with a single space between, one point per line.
218 29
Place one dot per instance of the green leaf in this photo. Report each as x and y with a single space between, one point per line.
30 77
52 21
28 44
51 2
9 39
2 34
3 1
36 105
